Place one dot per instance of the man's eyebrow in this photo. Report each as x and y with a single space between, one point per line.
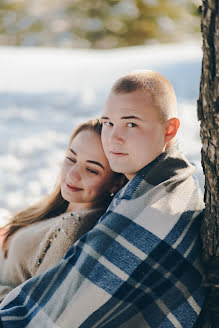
129 117
123 117
97 163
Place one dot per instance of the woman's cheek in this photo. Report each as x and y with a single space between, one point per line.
64 171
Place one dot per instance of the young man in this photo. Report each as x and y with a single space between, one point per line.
140 265
139 121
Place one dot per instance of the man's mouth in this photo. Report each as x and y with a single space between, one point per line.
73 188
118 154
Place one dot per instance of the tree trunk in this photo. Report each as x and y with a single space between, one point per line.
208 114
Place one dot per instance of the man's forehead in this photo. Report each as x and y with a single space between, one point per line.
127 104
122 114
130 99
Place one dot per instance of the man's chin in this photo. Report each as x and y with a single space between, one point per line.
116 168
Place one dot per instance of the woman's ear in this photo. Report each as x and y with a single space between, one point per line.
171 128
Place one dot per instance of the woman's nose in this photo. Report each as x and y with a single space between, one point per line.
75 172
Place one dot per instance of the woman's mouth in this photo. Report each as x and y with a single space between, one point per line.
73 188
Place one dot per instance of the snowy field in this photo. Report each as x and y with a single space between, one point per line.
45 92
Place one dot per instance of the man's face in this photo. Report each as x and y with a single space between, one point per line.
132 133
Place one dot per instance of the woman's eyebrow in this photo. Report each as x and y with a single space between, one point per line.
73 152
89 161
97 163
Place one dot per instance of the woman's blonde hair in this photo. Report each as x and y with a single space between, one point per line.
50 205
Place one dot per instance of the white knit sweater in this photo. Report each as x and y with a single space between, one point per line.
39 246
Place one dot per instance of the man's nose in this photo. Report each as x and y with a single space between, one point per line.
117 135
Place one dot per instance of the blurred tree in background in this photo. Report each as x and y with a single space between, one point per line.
96 23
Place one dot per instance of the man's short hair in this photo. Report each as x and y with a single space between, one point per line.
150 82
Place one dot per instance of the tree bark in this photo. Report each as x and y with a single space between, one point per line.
208 114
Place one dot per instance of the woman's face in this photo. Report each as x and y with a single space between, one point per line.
86 176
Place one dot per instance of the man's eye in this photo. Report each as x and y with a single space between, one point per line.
131 125
71 159
92 171
108 123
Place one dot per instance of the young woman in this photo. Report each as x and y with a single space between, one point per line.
37 237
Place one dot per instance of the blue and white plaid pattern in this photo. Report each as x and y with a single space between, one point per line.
138 267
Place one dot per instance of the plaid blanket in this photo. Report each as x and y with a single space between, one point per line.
138 267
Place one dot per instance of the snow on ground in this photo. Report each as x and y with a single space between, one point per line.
45 92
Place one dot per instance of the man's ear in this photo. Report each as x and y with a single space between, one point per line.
171 128
120 182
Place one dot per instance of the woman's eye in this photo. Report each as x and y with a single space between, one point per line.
92 171
71 159
131 125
